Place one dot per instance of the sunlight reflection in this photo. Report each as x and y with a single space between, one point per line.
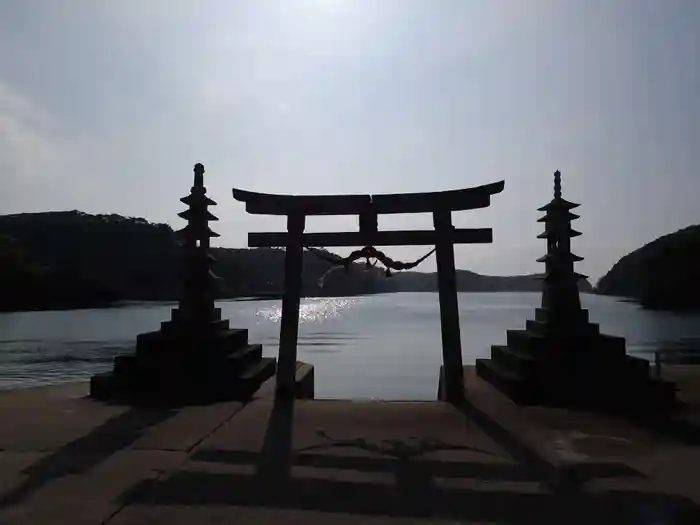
311 310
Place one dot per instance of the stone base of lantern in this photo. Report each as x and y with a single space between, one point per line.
576 366
185 366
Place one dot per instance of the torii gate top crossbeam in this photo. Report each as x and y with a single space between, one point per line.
426 202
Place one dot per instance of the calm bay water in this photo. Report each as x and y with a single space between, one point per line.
383 347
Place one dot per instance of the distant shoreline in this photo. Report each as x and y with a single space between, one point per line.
249 298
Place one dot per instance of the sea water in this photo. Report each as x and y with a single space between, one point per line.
369 347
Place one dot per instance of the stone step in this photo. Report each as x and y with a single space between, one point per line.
213 327
125 364
495 368
632 395
149 338
661 396
541 328
535 327
241 385
223 341
254 376
103 386
524 340
266 364
519 361
504 380
599 347
179 365
553 391
304 381
613 340
177 315
543 315
623 388
612 344
232 338
641 366
245 357
637 371
179 386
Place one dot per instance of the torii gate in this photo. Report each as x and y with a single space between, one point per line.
367 207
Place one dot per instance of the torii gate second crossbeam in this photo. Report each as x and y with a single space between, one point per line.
367 208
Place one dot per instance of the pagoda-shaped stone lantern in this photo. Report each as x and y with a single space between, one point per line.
561 303
562 359
195 356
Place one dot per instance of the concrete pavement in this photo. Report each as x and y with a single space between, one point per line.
65 458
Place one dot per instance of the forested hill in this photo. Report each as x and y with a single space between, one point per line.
473 282
73 259
663 274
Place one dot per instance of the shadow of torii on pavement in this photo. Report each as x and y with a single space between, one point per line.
467 490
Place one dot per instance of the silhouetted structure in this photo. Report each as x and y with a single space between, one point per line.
562 358
195 356
367 207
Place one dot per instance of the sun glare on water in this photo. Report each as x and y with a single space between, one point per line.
311 310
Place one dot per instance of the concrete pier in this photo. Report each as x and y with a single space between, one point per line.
65 458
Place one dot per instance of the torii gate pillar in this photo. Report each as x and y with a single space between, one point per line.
451 383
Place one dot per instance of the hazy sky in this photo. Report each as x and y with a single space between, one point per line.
105 106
